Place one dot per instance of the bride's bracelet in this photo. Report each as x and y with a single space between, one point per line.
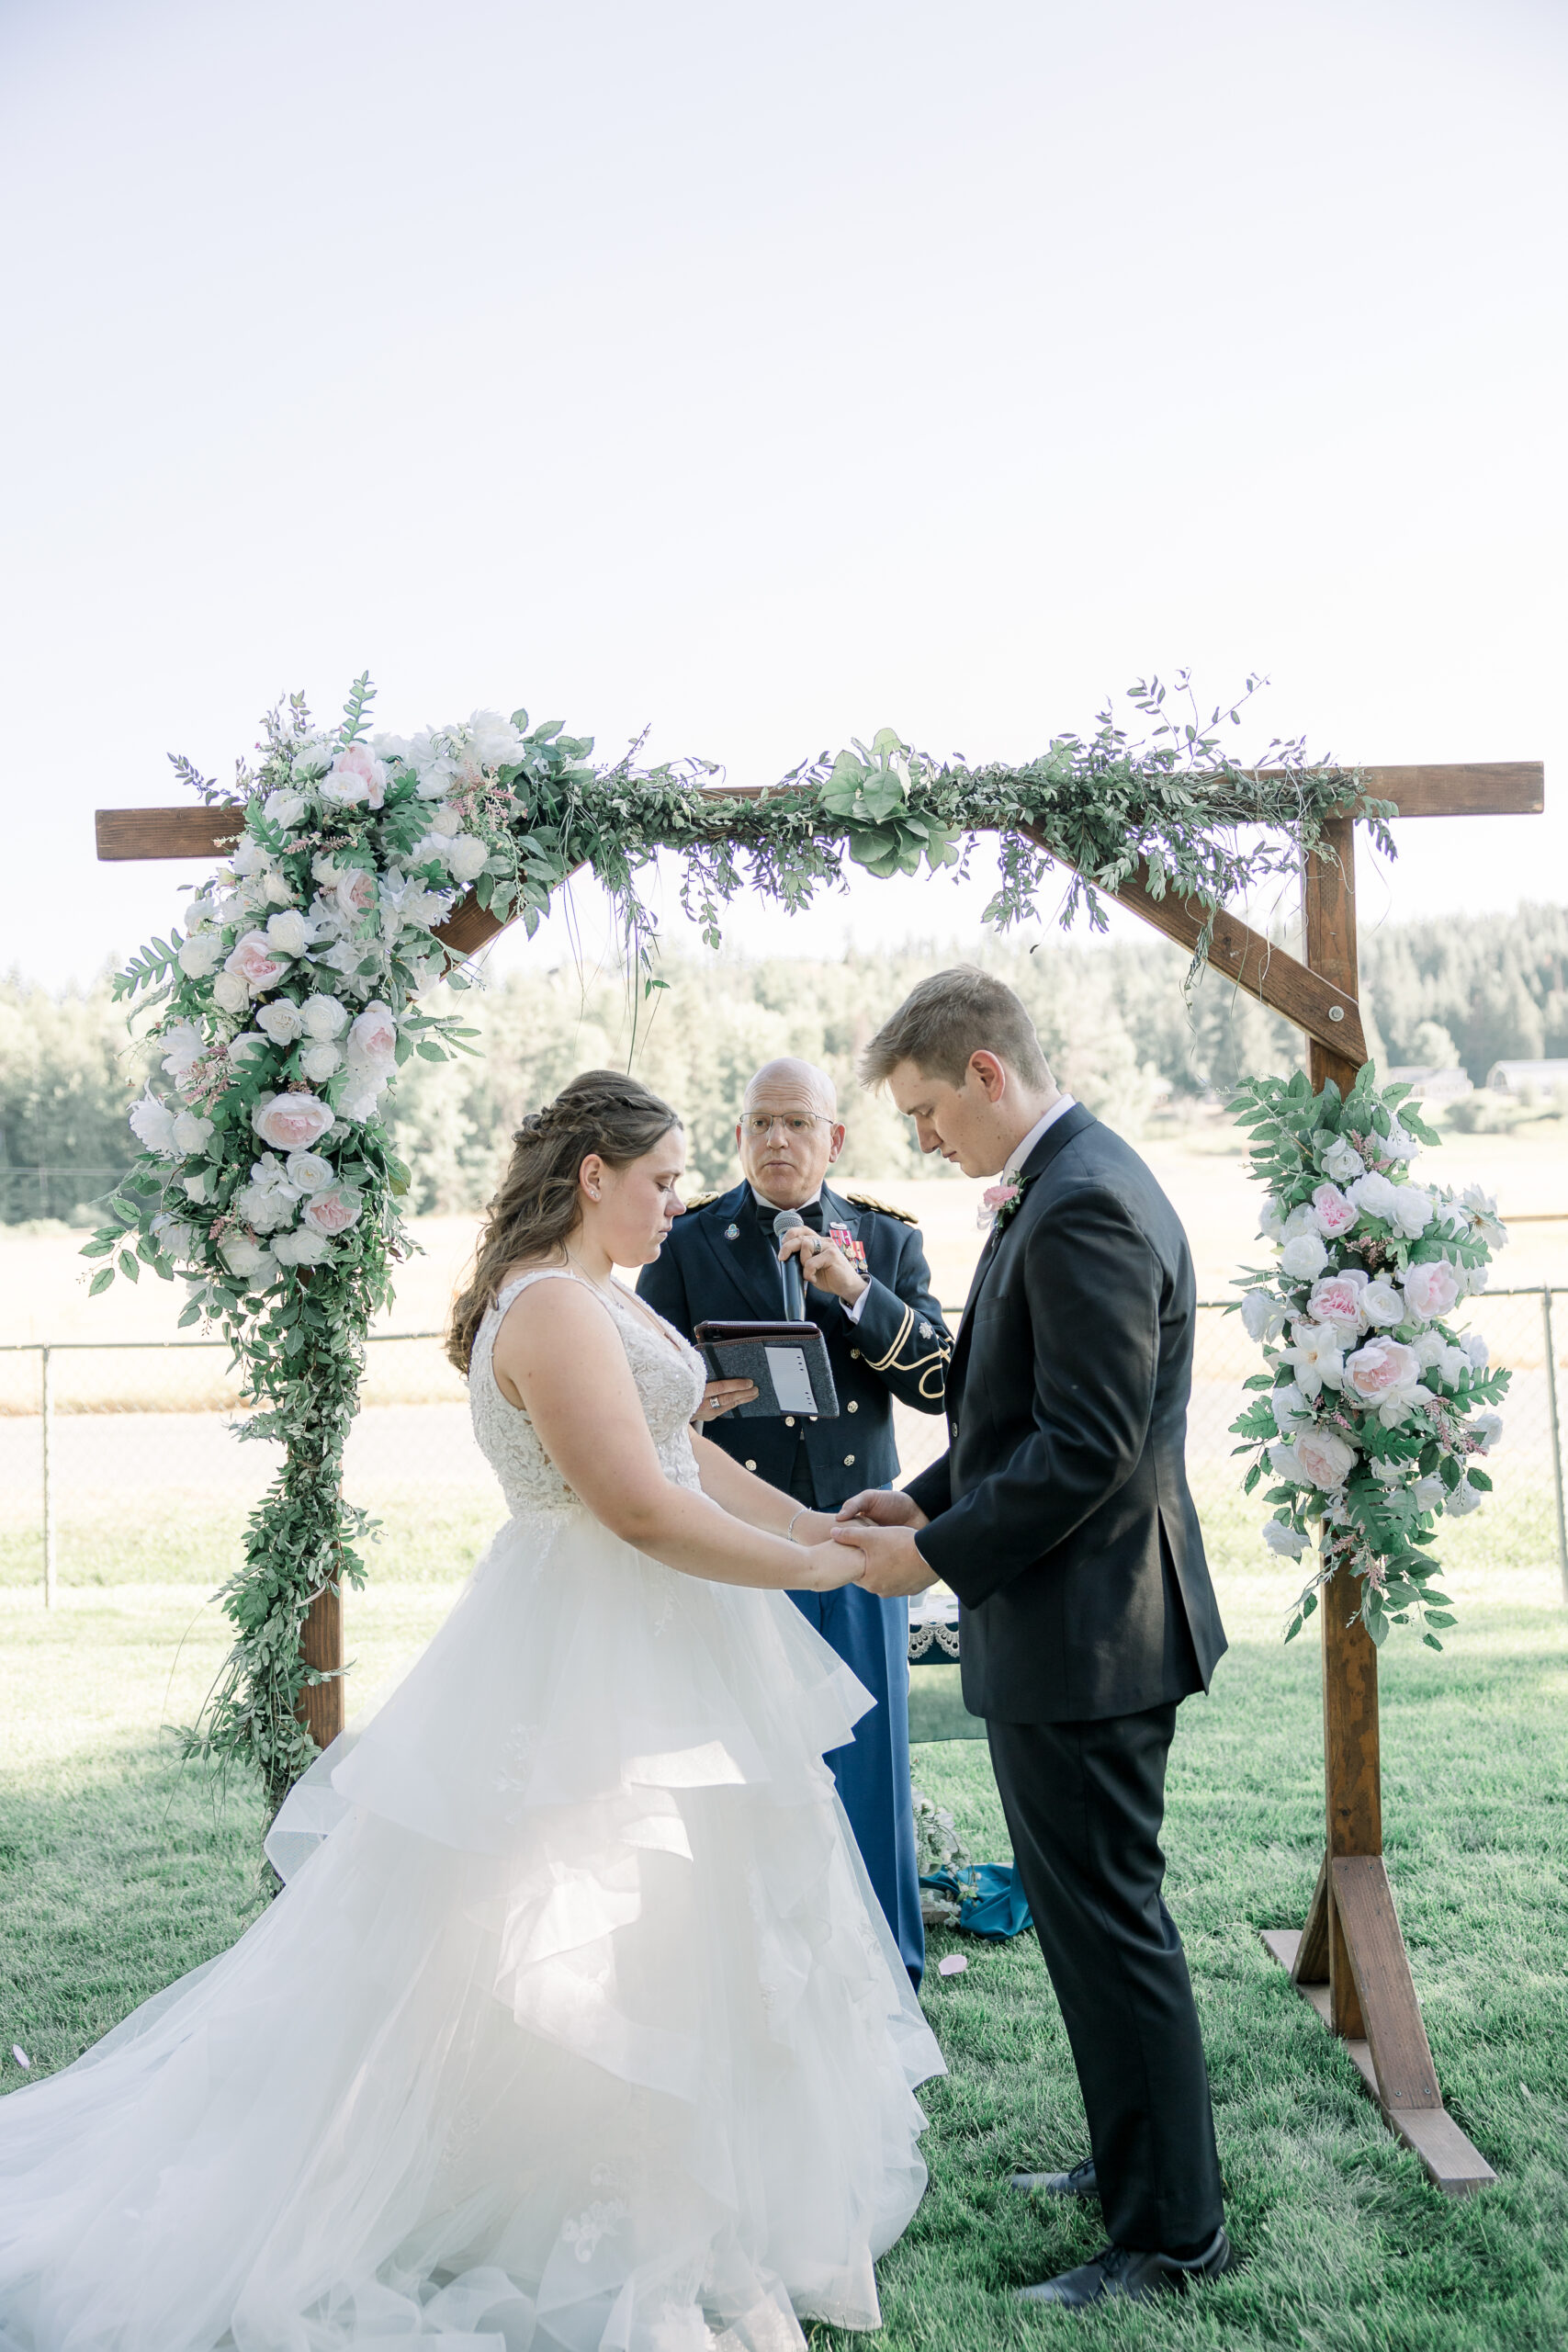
789 1531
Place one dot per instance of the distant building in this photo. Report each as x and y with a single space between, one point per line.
1527 1078
1433 1085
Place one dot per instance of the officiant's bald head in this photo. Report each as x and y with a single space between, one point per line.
789 1132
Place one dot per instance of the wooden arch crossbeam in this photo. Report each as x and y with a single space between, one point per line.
1349 1960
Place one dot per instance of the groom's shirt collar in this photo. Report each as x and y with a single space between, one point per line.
1019 1156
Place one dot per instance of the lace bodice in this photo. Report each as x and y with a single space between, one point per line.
670 1378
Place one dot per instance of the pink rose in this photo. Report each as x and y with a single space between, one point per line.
1382 1369
1334 1214
257 962
292 1122
373 1037
994 1197
332 1210
355 776
1338 1298
1430 1289
1325 1458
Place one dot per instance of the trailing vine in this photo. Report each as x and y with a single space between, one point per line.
267 1182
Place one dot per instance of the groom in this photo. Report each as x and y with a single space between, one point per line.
1060 1516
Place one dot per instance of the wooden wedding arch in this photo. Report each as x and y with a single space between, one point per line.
1349 1960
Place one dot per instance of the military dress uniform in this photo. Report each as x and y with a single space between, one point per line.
720 1264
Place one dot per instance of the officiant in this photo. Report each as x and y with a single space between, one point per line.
868 1289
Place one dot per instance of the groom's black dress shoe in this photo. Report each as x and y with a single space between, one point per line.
1124 2270
1080 2182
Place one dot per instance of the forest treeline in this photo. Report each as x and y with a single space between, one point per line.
1118 1029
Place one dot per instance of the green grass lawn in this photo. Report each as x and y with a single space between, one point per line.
118 1873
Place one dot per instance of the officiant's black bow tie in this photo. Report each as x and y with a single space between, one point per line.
811 1214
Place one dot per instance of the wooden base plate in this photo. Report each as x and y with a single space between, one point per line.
1430 2132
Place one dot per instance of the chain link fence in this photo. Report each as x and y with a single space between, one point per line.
119 1463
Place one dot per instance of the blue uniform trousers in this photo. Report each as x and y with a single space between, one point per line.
871 1637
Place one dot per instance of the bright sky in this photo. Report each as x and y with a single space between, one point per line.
766 376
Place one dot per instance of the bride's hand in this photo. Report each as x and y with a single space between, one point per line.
721 1396
829 1566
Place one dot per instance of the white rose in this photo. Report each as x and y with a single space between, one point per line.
281 1021
373 1039
1271 1219
1488 1427
431 849
313 759
1452 1364
248 1047
308 1171
493 742
1303 1256
1412 1211
323 1017
284 809
198 1188
1429 1493
152 1125
279 889
286 932
1281 1538
467 861
1382 1305
230 992
1374 1196
1262 1316
1464 1498
173 1236
1302 1219
190 1132
447 819
1325 1458
1342 1162
320 1062
1427 1347
1285 1463
251 859
301 1248
200 956
186 1047
1398 1145
244 1255
1477 1352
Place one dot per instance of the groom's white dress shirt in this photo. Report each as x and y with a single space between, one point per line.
1020 1152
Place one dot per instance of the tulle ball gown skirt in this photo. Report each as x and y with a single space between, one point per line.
575 2027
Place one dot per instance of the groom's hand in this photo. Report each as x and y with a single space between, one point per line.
894 1566
884 1507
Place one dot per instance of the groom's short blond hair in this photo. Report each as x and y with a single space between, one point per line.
944 1020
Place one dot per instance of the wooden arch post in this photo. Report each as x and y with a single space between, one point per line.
1349 1960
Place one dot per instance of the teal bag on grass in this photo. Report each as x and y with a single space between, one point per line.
990 1899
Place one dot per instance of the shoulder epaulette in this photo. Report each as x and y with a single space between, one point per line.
883 1209
701 1200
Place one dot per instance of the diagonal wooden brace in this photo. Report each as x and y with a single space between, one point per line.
1402 2059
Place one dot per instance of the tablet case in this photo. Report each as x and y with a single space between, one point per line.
788 1363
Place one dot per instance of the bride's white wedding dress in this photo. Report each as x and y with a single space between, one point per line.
576 2025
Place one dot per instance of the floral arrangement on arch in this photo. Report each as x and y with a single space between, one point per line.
1376 1412
267 1179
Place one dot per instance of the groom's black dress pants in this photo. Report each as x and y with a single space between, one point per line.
1084 1802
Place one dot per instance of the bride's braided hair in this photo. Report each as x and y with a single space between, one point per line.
602 1110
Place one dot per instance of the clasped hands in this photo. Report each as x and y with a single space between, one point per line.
881 1525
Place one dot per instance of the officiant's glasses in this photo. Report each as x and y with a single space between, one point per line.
760 1124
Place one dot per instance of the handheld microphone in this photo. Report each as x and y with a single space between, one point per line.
794 1294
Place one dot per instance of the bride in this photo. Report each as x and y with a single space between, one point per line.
576 2024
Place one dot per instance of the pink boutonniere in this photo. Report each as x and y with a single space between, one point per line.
998 1202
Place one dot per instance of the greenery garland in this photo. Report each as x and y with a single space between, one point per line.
267 1181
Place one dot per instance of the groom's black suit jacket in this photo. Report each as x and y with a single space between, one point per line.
1060 1514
